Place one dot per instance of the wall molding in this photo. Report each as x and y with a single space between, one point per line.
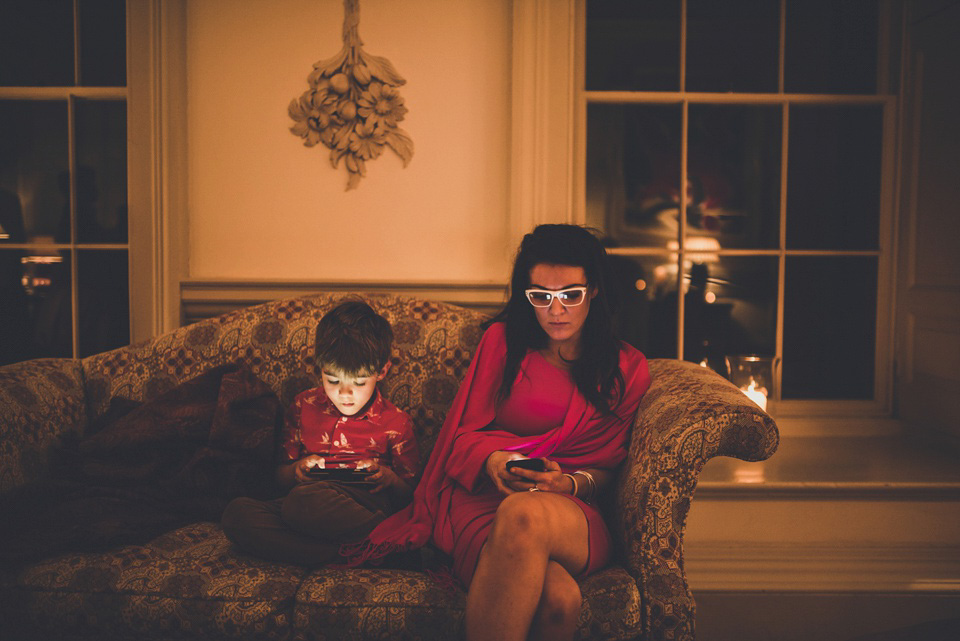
205 298
156 163
543 102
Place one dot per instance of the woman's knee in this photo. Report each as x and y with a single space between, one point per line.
521 519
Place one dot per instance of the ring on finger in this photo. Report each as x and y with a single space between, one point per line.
534 488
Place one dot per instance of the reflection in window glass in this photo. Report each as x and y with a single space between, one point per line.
104 300
101 180
645 319
830 312
831 46
41 308
16 339
103 48
732 46
633 46
833 182
36 43
730 307
733 175
633 171
33 166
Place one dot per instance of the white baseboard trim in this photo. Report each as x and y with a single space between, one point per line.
735 567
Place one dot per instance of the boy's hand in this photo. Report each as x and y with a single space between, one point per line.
303 465
383 475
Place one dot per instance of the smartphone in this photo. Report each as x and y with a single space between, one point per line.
342 474
535 464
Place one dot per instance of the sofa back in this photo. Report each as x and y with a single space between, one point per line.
433 345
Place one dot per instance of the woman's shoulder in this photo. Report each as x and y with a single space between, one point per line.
493 344
631 357
626 349
495 333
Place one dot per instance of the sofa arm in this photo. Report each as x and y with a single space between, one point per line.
689 415
39 400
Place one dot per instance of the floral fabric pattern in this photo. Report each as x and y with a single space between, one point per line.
190 583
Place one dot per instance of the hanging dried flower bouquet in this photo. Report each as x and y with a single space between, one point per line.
353 104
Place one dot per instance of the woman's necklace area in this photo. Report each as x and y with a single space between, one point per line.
552 356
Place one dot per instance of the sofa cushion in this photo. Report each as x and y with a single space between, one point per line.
403 604
376 604
186 583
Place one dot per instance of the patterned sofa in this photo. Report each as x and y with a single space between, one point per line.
190 582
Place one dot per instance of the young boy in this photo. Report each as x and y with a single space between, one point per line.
344 425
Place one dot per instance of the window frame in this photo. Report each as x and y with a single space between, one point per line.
549 149
155 91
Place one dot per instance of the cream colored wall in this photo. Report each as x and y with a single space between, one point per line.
261 205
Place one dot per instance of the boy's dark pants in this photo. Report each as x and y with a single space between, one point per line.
308 525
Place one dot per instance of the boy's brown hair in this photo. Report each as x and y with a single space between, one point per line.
353 338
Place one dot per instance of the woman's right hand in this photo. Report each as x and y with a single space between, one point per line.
497 470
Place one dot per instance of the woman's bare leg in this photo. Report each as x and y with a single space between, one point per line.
559 607
530 530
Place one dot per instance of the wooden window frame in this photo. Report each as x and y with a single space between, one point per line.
548 173
154 93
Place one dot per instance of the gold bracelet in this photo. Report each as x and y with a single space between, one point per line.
576 487
591 482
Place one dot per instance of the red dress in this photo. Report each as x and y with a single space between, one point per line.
548 419
537 404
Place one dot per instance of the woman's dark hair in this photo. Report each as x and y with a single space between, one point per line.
596 372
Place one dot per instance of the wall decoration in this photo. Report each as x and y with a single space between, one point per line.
353 104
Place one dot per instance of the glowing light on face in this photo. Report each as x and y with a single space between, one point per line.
349 394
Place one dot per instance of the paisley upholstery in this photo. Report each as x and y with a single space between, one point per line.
39 401
190 583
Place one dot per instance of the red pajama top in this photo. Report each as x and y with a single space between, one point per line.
383 433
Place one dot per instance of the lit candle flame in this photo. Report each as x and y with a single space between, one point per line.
756 394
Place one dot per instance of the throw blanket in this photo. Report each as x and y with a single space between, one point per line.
585 439
174 460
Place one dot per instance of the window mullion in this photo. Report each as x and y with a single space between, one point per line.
76 43
782 248
682 228
72 199
782 241
682 216
782 52
683 45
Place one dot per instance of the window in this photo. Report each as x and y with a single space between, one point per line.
777 118
64 246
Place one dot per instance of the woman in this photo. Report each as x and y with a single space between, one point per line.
551 382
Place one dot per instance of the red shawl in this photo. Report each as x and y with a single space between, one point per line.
585 439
